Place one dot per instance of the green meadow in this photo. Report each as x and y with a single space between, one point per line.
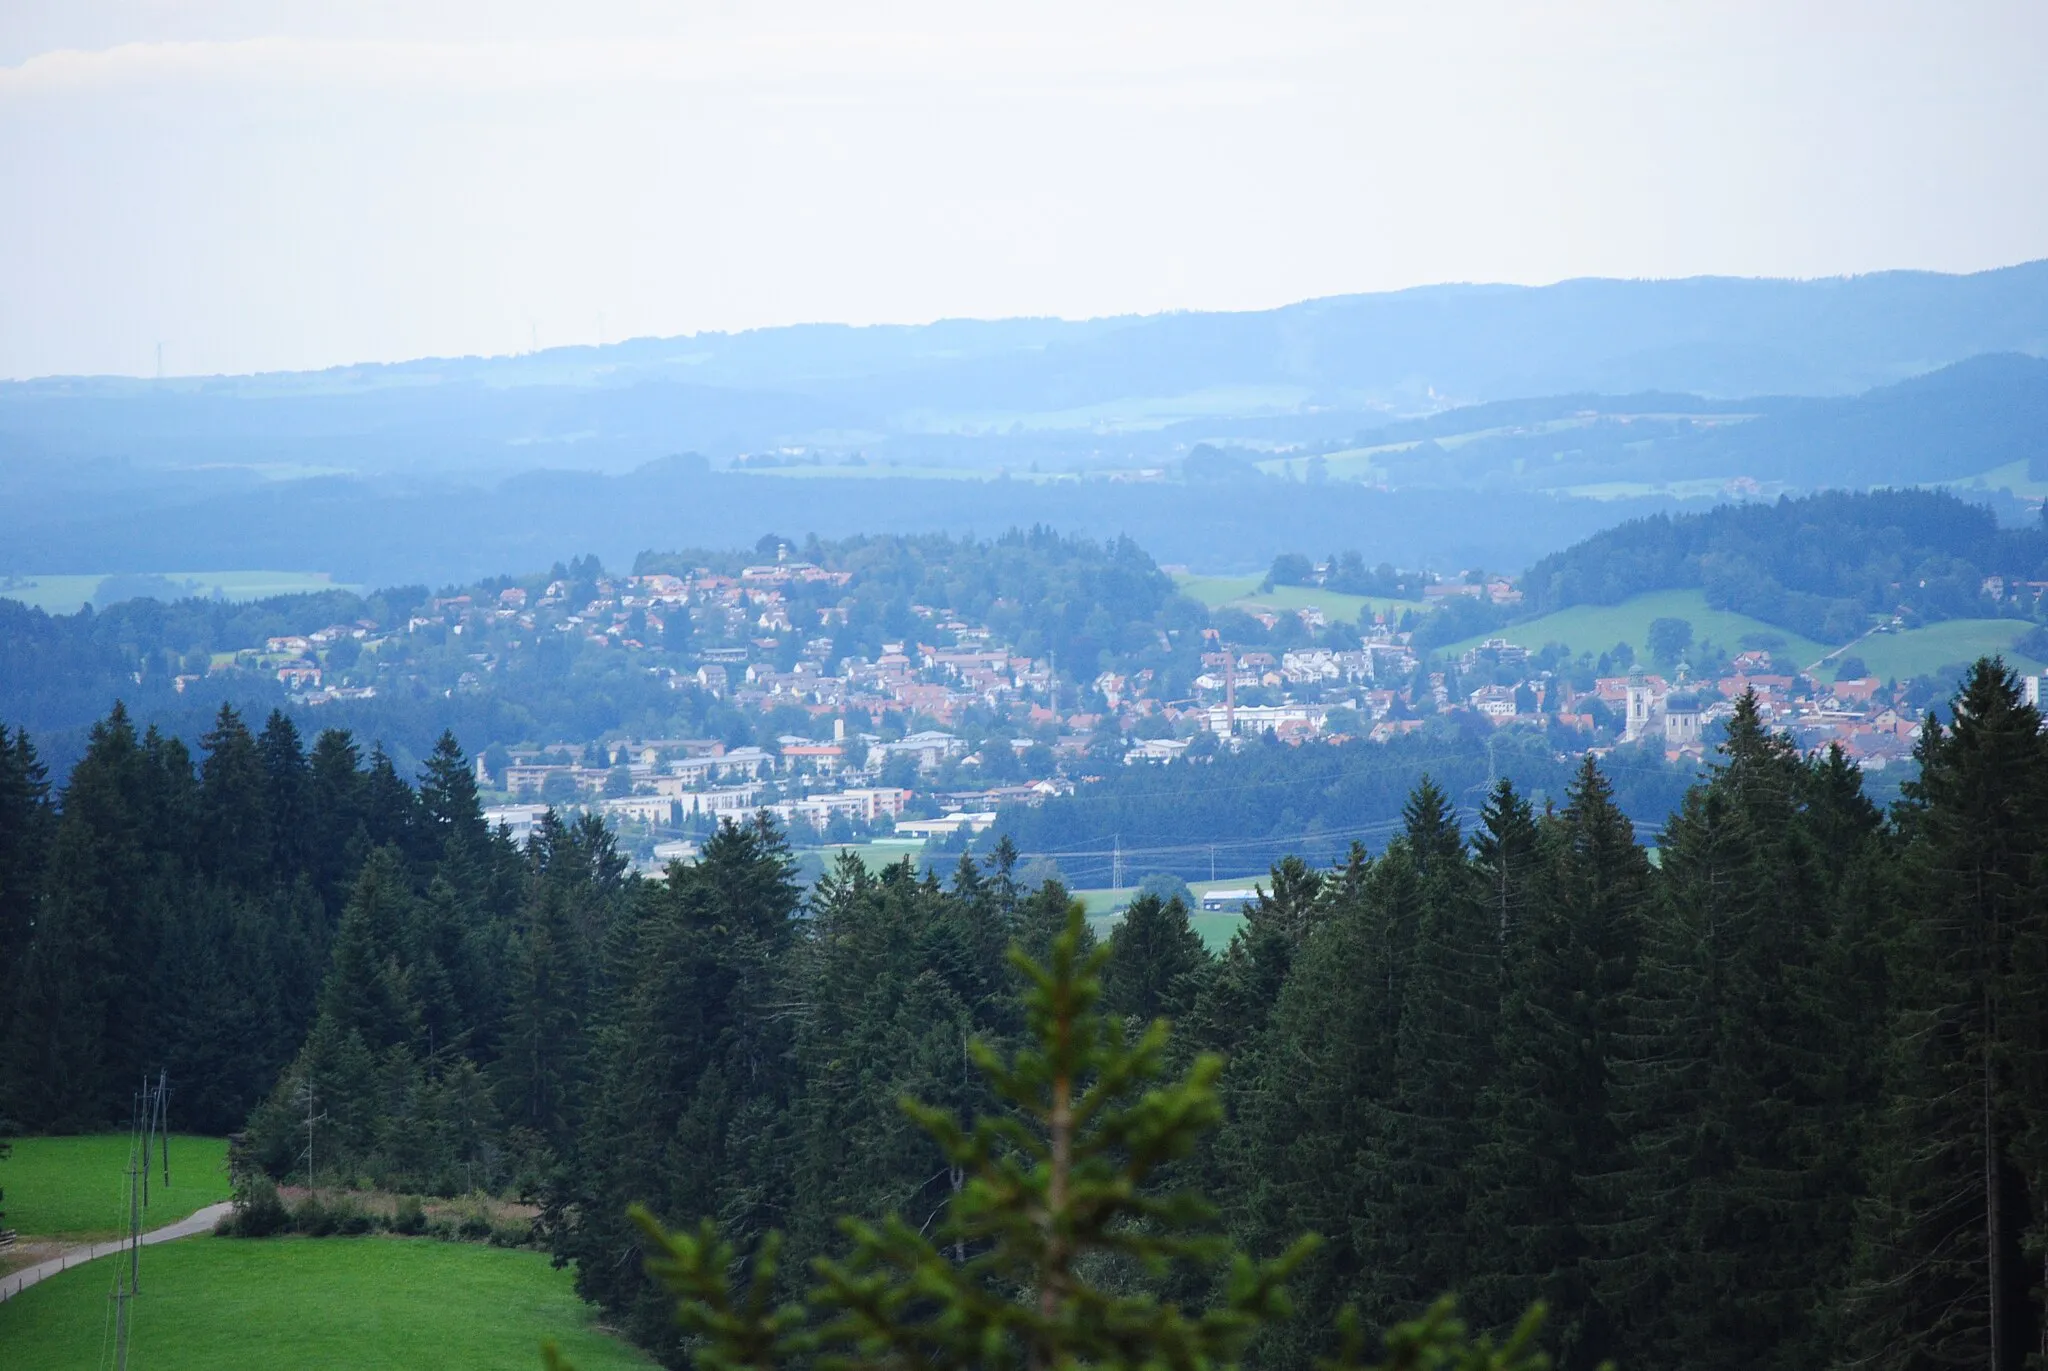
1913 652
1215 928
1244 593
78 1186
1596 628
64 594
1958 642
338 1304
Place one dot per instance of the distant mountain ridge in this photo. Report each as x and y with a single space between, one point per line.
1972 419
1341 363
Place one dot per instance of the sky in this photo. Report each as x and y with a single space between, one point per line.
267 186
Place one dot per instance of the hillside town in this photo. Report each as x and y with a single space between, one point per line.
935 731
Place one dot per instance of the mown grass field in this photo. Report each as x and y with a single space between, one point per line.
1243 591
1105 909
1596 628
1920 651
64 594
876 855
338 1304
1915 652
78 1186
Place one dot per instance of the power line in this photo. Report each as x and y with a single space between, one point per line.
146 1135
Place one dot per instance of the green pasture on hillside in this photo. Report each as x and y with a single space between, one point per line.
340 1304
64 594
1957 642
1913 652
1244 592
79 1185
2016 477
1596 628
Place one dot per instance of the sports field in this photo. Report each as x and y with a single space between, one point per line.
78 1186
339 1304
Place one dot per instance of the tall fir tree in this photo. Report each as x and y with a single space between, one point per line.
1543 1205
1417 1160
235 811
1729 1088
1956 1175
26 822
1157 963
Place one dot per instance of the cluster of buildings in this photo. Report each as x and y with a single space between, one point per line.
294 661
683 783
956 699
1872 729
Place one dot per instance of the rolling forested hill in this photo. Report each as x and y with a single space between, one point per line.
1824 566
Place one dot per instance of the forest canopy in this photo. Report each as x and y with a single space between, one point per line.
1775 1099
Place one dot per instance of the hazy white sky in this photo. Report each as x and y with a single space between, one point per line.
269 185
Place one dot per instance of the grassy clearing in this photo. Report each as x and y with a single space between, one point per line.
1958 642
1915 652
1216 929
876 855
1596 628
341 1304
78 1186
64 594
1243 592
2013 476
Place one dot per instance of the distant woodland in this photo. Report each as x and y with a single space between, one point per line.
1826 566
1776 1098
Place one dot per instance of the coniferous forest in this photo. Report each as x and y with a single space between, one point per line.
1767 1088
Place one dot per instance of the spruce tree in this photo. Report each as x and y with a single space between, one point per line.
1732 1085
891 993
235 812
337 819
82 997
1314 1123
368 989
26 821
1417 1159
1542 1202
1945 1276
1505 853
540 1066
1157 963
692 1069
286 776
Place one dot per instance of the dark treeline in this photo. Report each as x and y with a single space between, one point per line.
1779 1099
191 918
1248 809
